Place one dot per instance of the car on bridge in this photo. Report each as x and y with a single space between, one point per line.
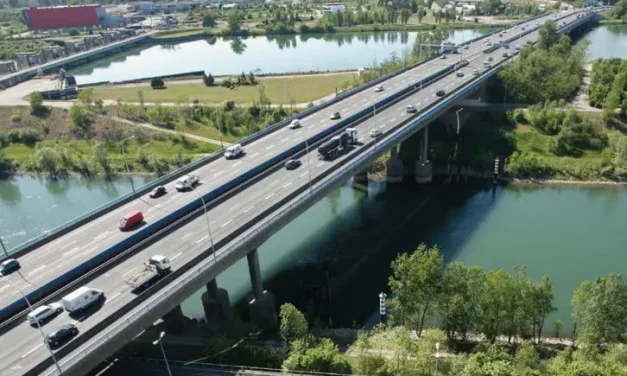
186 182
233 151
375 133
378 89
410 109
61 335
9 266
43 313
158 192
442 56
440 93
292 164
459 74
336 115
476 72
131 220
294 124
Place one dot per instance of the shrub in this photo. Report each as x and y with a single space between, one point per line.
208 79
157 83
36 101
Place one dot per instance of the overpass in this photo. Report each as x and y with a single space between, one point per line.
242 218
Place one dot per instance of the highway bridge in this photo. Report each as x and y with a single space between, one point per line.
248 199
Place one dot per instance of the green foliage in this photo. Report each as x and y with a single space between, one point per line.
415 283
101 157
36 101
208 79
321 357
234 23
80 122
294 326
598 308
526 165
208 21
157 83
545 74
47 160
605 72
73 32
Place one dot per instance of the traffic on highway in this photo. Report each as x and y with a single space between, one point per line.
114 287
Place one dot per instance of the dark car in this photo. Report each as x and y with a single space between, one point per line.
158 192
440 93
292 164
9 266
61 335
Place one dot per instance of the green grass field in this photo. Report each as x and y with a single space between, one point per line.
299 89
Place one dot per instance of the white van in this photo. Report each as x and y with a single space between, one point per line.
186 182
81 298
294 124
233 151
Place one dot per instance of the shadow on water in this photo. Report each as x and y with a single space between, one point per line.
339 270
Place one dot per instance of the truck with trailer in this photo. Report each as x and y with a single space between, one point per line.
337 145
156 267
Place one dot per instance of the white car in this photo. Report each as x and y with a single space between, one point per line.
294 124
378 89
186 182
476 72
335 116
43 313
517 48
233 151
410 109
375 133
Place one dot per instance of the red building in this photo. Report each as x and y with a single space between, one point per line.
62 17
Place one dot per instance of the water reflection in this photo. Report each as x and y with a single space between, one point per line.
238 46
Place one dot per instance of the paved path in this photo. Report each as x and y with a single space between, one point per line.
581 101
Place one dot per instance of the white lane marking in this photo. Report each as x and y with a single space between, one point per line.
254 155
101 236
274 182
298 133
113 297
271 194
393 120
345 109
218 174
32 350
5 287
319 164
235 207
226 223
187 235
322 121
238 163
236 171
249 209
201 239
287 185
68 244
269 147
285 139
303 174
90 250
175 256
36 270
71 251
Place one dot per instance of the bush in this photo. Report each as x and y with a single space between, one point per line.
208 21
157 83
73 32
208 80
36 101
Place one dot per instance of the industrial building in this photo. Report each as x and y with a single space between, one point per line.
63 17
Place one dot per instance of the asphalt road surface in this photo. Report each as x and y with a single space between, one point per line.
23 345
66 252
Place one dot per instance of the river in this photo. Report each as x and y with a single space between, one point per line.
265 54
607 41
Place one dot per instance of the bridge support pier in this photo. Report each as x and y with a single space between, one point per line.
216 304
360 180
394 167
261 305
424 169
175 320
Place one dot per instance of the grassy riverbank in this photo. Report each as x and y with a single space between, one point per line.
47 144
280 90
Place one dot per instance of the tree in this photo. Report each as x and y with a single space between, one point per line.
293 324
36 101
157 83
209 80
101 157
85 97
73 32
547 35
208 21
47 159
598 308
80 123
458 305
323 357
416 283
540 300
234 23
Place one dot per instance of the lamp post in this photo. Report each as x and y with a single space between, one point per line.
30 308
308 164
204 206
4 248
437 356
128 171
158 342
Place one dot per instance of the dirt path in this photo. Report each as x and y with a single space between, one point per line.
581 101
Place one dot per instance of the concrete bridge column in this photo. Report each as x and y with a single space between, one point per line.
394 167
262 307
360 180
424 169
216 304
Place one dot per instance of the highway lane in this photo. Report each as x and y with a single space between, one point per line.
188 241
70 250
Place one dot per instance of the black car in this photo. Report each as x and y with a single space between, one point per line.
292 164
61 335
440 93
158 192
9 266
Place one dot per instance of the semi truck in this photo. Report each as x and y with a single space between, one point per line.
155 268
337 145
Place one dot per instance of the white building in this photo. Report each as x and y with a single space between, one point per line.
333 7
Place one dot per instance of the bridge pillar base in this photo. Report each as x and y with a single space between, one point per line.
394 168
424 172
360 180
263 311
175 320
216 304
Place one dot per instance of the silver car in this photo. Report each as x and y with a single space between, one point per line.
43 313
